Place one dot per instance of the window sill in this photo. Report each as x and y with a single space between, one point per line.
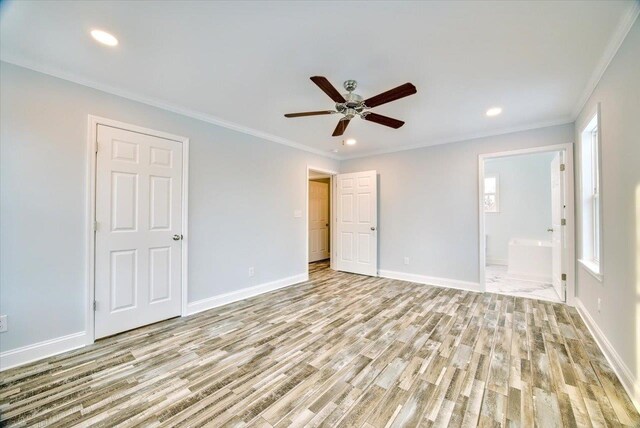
592 268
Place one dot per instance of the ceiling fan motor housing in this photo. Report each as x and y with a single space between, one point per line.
354 103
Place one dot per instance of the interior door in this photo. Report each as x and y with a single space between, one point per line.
557 201
357 223
139 230
318 221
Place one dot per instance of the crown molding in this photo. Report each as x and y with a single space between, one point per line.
464 138
624 26
254 132
163 105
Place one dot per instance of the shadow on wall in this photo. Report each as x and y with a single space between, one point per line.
636 336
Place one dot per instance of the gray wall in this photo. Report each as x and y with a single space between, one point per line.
524 202
618 93
243 191
428 202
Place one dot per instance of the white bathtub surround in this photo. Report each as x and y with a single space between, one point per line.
530 260
498 280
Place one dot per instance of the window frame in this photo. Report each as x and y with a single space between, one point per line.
591 256
496 193
595 194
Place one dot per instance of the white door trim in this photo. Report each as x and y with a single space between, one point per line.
331 213
92 132
569 255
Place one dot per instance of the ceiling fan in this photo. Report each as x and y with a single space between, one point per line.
352 104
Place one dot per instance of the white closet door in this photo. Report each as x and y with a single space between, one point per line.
139 230
318 221
357 223
557 201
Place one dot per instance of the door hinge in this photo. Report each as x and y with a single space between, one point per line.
96 147
562 167
95 305
95 226
563 276
563 222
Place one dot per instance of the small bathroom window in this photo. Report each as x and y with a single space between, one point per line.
491 194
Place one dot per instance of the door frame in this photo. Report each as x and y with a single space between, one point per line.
92 135
332 205
568 262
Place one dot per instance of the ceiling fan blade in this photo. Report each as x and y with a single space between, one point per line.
341 127
309 113
391 95
383 120
328 88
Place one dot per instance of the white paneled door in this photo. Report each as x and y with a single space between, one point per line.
318 221
357 223
138 231
557 241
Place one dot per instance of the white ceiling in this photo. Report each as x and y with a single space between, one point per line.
245 64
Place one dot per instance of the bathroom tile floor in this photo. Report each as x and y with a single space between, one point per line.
498 281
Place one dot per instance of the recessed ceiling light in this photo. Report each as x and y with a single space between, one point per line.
334 151
104 37
350 141
494 111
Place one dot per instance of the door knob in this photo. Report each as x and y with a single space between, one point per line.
549 230
373 228
177 237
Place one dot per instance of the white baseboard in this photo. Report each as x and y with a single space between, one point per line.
626 376
499 262
430 280
48 348
245 293
37 351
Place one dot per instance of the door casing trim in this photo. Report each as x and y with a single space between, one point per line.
568 264
332 205
92 134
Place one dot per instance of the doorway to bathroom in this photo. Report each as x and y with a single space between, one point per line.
526 223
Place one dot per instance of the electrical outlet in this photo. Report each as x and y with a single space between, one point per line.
3 323
251 272
406 260
599 304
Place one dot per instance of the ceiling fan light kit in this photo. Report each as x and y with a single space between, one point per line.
351 104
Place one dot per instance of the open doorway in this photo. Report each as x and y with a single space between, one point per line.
319 225
526 204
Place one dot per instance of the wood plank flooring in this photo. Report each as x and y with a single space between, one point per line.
338 350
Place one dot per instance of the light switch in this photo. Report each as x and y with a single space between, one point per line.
297 213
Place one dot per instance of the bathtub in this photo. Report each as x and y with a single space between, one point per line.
529 259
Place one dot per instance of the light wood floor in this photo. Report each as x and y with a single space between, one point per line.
339 350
